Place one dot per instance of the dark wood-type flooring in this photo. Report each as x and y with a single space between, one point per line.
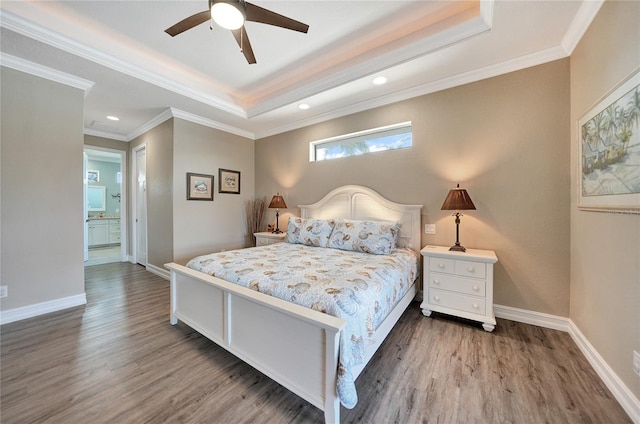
118 360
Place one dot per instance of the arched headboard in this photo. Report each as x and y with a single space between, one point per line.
358 202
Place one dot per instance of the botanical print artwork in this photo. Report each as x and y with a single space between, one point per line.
199 186
229 181
611 148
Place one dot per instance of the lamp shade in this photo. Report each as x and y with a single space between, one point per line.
277 202
457 200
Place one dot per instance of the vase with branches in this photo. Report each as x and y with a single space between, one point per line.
254 209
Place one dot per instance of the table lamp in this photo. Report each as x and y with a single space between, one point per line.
278 203
457 200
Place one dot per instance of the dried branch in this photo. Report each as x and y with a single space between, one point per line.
254 209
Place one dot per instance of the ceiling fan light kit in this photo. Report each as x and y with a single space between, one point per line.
232 14
228 14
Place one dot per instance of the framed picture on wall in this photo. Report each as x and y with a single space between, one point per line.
609 151
199 186
93 176
228 181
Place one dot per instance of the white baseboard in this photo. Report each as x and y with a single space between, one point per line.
531 317
164 273
17 314
620 391
629 402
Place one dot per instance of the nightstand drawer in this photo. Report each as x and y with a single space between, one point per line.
442 265
457 267
457 301
457 284
261 241
471 269
265 238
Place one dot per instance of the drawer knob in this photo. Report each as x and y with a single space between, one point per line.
436 281
475 306
436 298
440 266
475 287
471 269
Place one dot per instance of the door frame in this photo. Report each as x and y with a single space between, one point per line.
134 203
123 195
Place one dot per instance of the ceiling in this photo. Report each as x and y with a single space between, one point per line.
119 53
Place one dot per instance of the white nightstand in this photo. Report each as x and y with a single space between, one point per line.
459 283
265 238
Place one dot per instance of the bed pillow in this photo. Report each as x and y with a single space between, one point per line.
312 232
377 237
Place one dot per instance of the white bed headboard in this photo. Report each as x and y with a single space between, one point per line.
358 202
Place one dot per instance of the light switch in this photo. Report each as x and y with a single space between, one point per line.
429 228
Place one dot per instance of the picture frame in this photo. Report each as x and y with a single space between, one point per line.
93 176
228 181
609 151
199 186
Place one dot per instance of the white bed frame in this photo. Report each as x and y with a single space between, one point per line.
293 345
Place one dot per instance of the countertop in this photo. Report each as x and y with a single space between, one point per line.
98 217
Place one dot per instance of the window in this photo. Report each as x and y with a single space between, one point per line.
398 136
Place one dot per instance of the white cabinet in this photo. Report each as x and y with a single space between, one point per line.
265 238
114 231
103 231
459 283
98 232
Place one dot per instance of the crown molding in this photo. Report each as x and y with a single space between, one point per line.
104 134
513 65
441 39
586 14
166 115
505 67
45 72
29 29
151 124
177 113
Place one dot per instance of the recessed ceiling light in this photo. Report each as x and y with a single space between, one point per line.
380 81
113 118
303 106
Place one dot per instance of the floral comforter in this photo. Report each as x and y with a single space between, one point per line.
358 287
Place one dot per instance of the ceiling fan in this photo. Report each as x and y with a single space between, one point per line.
232 14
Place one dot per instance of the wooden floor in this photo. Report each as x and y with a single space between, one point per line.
118 360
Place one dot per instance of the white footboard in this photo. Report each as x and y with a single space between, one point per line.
293 345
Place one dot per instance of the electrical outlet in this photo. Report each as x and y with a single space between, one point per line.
4 291
636 362
429 228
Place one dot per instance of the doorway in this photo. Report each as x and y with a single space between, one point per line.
105 206
139 205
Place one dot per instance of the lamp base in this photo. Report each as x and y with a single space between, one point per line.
457 248
276 232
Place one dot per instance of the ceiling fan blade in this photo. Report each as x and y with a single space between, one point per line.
245 46
188 23
264 16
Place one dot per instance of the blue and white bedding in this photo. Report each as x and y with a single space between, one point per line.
358 287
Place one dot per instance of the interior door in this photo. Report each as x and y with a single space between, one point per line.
141 207
85 211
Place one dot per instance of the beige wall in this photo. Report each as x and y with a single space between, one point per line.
605 248
159 153
107 143
505 139
201 227
41 186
